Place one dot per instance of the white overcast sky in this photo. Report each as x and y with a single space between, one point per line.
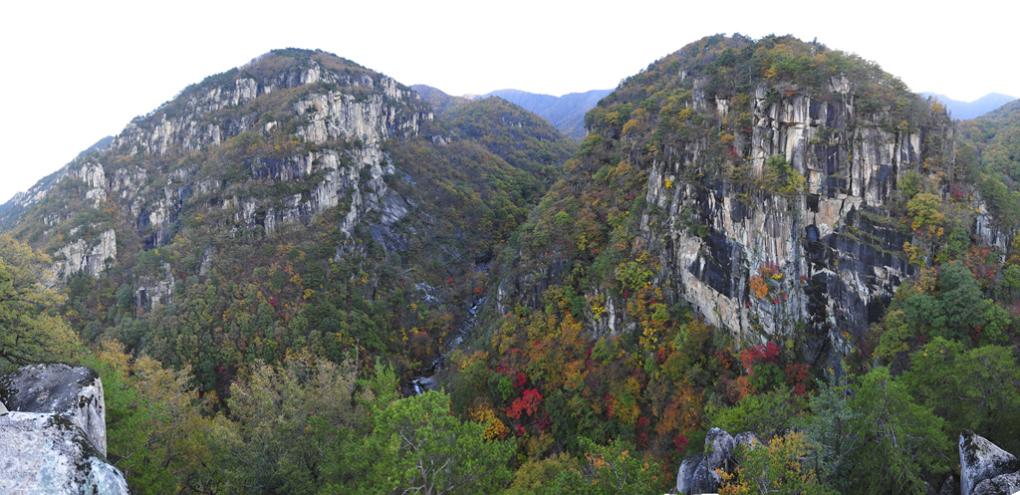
77 71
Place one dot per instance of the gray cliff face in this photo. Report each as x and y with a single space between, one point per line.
830 254
75 393
716 219
53 439
986 469
81 256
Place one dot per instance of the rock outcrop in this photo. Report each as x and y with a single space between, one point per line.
697 474
53 439
986 469
73 392
83 256
332 118
47 454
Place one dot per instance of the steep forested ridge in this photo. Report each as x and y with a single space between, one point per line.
765 236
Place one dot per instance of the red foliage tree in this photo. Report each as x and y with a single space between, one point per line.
526 405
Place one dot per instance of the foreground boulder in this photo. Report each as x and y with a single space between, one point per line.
74 392
697 474
1003 484
53 433
986 469
43 453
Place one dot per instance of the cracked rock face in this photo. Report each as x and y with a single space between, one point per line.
44 453
818 259
985 468
834 255
74 393
84 256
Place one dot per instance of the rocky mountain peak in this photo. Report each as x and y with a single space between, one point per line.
338 98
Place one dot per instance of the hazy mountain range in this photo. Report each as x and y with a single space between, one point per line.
566 112
963 110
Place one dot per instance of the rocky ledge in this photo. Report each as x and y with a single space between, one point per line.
53 433
986 469
699 474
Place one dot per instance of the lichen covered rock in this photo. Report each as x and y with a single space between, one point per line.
981 461
43 453
1003 484
73 392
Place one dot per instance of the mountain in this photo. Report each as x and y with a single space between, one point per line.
565 112
97 147
300 201
15 207
963 110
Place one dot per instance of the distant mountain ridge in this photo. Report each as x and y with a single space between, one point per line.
964 110
565 112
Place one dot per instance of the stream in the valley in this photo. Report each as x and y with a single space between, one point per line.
427 380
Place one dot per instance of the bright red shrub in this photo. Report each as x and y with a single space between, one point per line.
527 404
